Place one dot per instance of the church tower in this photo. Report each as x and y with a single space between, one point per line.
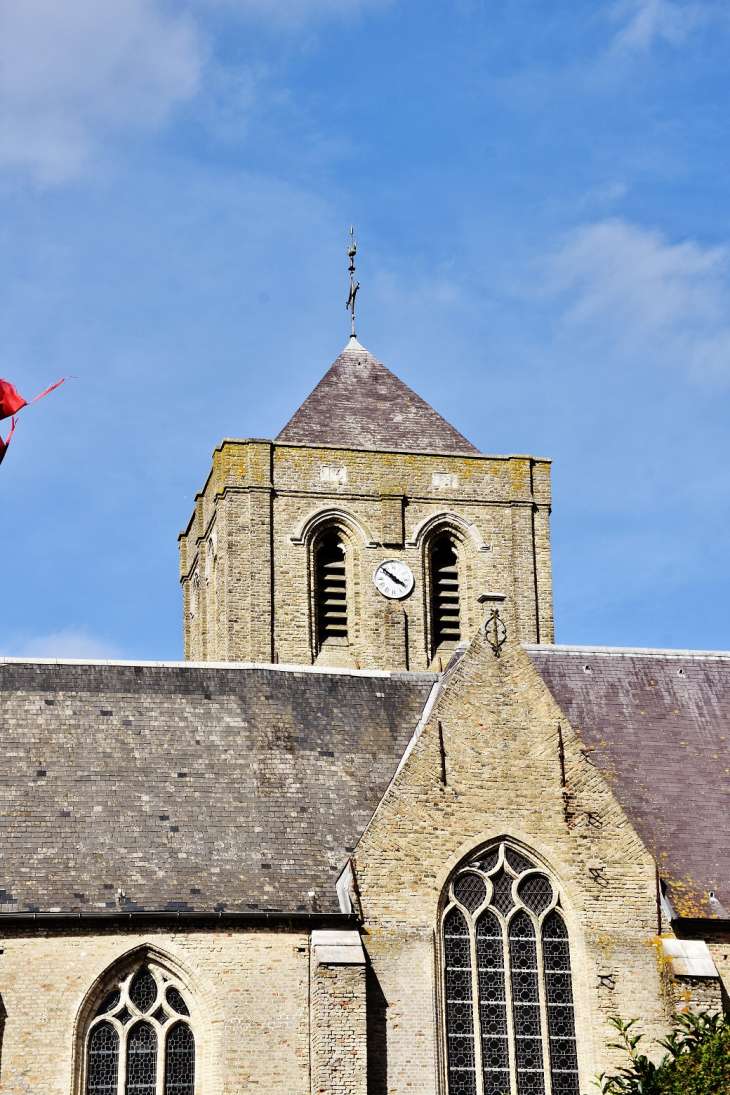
363 535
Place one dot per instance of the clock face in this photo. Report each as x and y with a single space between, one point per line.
393 579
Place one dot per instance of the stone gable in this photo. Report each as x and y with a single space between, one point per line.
494 733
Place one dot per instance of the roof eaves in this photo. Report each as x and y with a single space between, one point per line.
700 927
120 918
415 452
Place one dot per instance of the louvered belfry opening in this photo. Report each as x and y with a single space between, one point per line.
445 592
331 591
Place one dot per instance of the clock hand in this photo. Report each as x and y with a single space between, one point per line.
400 583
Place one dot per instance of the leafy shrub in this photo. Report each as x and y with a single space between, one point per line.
697 1061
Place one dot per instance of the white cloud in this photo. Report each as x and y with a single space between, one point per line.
654 301
75 71
63 644
71 70
649 20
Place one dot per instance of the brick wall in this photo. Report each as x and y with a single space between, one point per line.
248 993
338 1015
501 752
247 554
260 1023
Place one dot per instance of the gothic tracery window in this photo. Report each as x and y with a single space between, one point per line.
510 1023
140 1041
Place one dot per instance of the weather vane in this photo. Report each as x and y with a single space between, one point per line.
351 252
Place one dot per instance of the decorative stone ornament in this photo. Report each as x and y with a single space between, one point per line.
394 579
495 630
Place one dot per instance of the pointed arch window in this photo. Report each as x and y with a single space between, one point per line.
331 591
445 608
510 1022
140 1041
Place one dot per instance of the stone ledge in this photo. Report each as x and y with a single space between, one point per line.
689 958
337 948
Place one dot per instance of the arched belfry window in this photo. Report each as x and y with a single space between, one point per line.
139 1040
331 590
445 616
510 1023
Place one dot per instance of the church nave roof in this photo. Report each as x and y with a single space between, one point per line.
184 787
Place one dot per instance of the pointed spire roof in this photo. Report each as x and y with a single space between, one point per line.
359 404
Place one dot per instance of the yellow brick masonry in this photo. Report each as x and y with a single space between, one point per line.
499 727
267 1017
249 995
246 556
720 951
339 1030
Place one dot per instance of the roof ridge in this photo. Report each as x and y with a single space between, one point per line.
396 674
621 650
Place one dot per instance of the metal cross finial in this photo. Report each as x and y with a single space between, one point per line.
351 252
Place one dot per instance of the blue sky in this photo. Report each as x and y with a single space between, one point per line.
540 195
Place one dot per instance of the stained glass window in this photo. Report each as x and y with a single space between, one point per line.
102 1061
492 1005
141 1056
143 992
517 862
526 1005
536 892
459 1007
180 1061
510 1021
176 1002
560 1010
109 1002
502 895
470 889
141 1060
487 860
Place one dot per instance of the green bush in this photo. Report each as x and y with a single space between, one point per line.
697 1061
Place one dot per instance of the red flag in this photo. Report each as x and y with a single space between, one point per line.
4 444
11 401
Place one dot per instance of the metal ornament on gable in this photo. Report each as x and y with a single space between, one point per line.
495 629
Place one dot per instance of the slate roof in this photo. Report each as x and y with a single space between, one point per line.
657 724
191 787
359 404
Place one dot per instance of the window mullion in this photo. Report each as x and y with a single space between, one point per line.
160 1090
547 1069
122 1065
507 960
476 1008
